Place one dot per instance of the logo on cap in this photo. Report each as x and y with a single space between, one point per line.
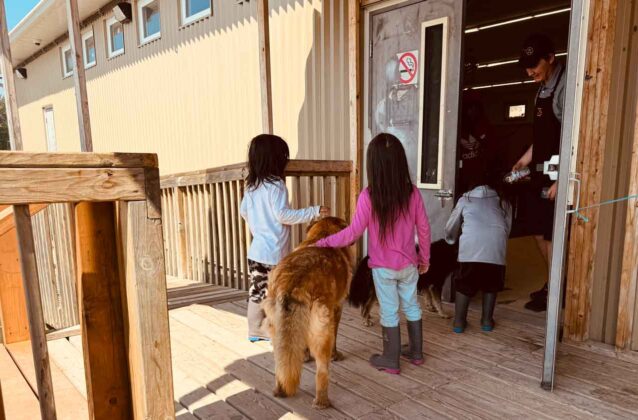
529 50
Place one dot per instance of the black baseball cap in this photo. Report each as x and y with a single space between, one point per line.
535 48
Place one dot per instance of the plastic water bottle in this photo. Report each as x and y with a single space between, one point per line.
516 176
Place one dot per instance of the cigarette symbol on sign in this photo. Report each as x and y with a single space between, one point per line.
407 67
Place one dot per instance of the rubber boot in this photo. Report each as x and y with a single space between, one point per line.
255 316
487 318
414 350
461 304
389 360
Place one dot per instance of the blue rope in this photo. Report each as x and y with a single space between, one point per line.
584 218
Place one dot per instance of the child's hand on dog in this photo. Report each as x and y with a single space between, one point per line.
423 268
324 211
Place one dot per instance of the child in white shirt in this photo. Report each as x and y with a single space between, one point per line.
265 209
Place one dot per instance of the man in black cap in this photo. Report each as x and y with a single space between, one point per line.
539 60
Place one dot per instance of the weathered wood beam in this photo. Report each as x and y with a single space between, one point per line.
35 314
147 309
27 186
591 149
101 319
354 83
79 75
263 24
34 160
11 100
629 275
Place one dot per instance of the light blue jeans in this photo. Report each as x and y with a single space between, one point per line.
394 288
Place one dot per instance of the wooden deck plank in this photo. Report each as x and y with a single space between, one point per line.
343 400
19 399
70 404
225 366
69 360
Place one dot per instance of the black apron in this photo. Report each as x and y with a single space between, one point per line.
546 135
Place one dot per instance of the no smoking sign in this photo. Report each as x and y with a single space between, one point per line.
408 67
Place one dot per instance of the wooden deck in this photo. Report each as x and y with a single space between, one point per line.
219 374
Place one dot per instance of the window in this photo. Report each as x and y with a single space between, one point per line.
516 112
114 37
432 103
148 15
67 61
193 10
88 49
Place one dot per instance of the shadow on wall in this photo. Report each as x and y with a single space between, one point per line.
323 122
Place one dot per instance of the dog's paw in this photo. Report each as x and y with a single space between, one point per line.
321 403
279 392
337 356
430 308
368 322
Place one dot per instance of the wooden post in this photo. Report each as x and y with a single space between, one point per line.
629 275
263 19
34 310
354 63
100 301
591 150
24 233
148 329
13 119
79 76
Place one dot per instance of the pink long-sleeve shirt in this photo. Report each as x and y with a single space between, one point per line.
399 250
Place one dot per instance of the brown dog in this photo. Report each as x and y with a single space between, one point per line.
305 296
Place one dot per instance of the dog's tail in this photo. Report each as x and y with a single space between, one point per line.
362 285
291 320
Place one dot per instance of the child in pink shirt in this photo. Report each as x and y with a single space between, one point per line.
392 211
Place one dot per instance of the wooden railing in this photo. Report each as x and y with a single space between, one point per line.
206 239
121 282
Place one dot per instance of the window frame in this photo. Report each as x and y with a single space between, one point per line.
444 56
85 55
63 51
187 20
110 52
140 22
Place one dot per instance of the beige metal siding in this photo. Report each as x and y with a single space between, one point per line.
193 95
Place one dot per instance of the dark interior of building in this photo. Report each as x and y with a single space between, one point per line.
494 34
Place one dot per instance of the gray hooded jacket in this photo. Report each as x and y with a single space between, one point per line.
483 225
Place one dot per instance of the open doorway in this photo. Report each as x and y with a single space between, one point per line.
498 89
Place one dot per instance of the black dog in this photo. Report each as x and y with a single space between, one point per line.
443 261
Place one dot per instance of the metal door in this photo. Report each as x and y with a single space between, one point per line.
49 130
413 75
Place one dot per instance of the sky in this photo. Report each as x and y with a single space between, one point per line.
17 9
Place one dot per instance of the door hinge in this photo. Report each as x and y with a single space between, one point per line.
370 49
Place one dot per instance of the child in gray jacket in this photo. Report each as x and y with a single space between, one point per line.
483 220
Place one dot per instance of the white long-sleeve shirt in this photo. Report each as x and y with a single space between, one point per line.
269 217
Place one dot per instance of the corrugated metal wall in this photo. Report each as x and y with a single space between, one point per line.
193 96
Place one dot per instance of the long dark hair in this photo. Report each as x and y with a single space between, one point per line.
268 156
390 186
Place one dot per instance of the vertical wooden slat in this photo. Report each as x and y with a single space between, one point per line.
593 135
354 85
243 242
182 249
13 307
79 76
326 194
296 182
222 237
100 297
229 230
190 229
203 232
263 25
214 196
236 235
149 338
31 283
208 232
629 276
